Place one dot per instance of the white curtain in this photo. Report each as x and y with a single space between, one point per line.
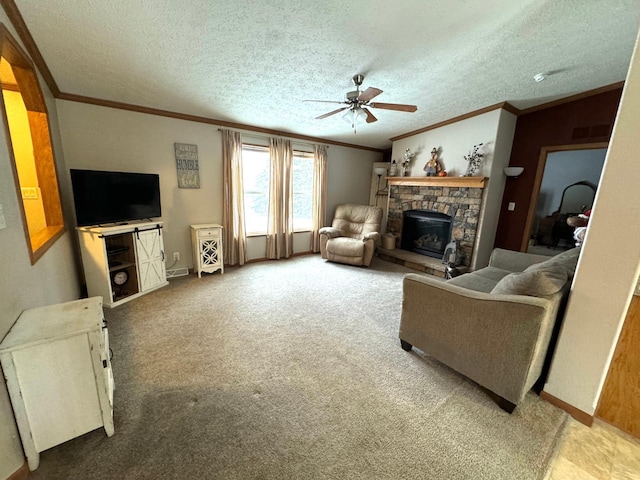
319 194
280 229
235 239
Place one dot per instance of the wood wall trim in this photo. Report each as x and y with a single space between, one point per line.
616 405
572 98
21 473
10 86
504 105
210 121
15 17
468 182
579 415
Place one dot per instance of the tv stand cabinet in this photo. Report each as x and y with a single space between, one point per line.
123 262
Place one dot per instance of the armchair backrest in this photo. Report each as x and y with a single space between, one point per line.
355 221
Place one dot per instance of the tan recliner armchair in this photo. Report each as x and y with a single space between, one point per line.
353 236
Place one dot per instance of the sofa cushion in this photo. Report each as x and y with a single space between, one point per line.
475 282
345 247
568 260
545 279
492 273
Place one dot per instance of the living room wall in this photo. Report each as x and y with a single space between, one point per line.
53 279
102 138
494 130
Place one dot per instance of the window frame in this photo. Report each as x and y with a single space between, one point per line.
265 149
307 156
38 243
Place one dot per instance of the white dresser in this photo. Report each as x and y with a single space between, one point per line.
206 240
58 369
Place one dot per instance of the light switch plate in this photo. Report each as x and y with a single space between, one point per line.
29 192
512 206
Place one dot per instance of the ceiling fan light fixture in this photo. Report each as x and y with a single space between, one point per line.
358 105
354 116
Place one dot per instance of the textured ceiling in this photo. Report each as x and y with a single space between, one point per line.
254 62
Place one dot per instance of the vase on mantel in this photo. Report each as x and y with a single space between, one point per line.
474 160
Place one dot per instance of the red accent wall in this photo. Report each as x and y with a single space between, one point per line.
587 120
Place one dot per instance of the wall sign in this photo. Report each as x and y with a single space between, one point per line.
187 165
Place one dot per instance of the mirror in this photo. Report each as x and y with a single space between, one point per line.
577 198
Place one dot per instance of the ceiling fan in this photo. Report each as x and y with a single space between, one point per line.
358 104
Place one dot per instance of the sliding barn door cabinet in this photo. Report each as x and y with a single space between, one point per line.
123 262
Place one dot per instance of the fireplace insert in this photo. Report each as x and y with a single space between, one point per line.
426 232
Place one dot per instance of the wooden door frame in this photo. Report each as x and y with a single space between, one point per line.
542 163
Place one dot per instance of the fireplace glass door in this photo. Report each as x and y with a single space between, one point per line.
426 232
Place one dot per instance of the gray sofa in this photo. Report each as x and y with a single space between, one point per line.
493 325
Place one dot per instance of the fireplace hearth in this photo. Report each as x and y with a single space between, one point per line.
426 232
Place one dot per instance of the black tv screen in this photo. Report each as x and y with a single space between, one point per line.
111 197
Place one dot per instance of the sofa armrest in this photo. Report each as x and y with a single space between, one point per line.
514 261
330 232
375 236
493 339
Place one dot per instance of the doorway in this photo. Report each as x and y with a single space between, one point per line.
560 167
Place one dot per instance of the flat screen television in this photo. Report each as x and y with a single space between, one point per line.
111 197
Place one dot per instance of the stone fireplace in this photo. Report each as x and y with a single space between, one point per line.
456 198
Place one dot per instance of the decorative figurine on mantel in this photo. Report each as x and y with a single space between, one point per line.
432 167
408 156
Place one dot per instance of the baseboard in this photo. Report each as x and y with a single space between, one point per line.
21 473
579 415
265 259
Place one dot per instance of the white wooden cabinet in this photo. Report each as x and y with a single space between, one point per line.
206 240
123 262
58 369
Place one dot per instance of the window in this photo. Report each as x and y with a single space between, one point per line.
255 177
302 191
30 150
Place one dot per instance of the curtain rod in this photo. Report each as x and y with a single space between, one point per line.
293 139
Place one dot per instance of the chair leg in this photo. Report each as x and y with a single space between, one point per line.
406 346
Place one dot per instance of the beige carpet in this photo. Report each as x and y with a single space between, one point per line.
292 369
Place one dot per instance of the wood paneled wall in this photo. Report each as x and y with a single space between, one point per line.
582 121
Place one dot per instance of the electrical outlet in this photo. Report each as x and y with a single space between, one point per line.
176 256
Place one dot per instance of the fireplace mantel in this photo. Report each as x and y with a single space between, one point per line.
470 182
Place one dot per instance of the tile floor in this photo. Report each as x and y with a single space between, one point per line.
601 452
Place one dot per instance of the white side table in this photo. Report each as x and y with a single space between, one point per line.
206 240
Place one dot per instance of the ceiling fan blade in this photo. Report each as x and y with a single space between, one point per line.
322 101
368 94
331 113
394 106
370 117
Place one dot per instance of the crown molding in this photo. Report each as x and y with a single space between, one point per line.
504 105
573 98
15 17
210 121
